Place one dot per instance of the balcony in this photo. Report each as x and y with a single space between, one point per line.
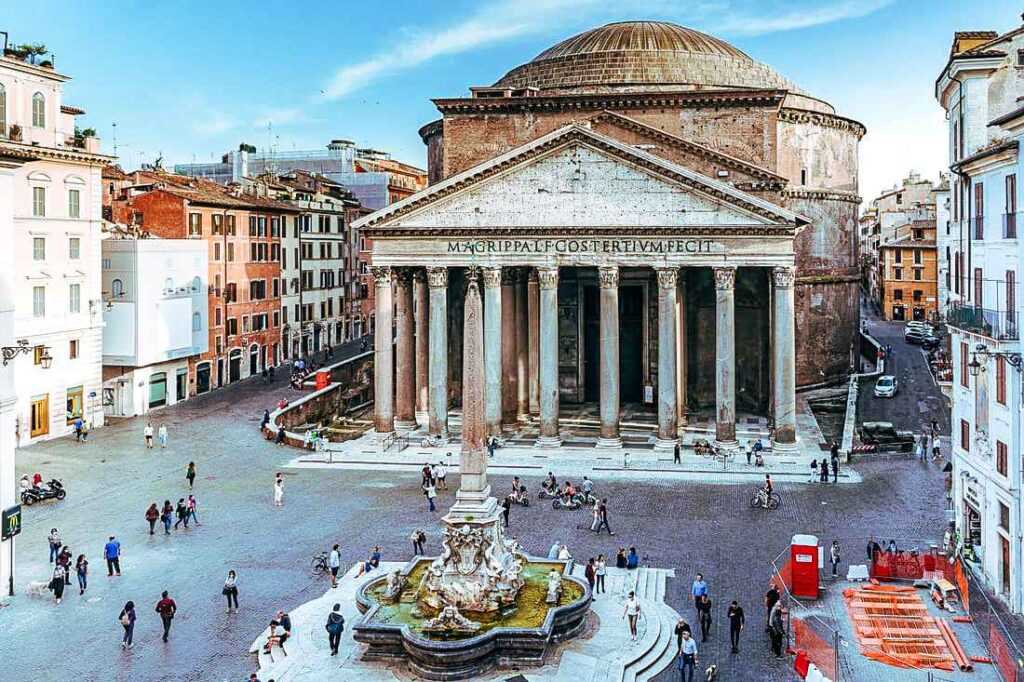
995 324
1009 226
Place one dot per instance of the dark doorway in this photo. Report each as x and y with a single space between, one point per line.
253 361
220 373
591 344
235 366
203 378
897 312
631 343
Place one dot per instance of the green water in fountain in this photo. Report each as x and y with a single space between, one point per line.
530 610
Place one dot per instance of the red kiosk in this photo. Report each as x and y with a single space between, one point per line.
323 379
804 560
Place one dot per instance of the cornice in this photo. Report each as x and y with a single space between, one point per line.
488 232
822 194
431 129
40 153
793 115
689 98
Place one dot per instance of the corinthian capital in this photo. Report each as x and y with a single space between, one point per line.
667 277
437 278
381 275
548 278
783 277
609 276
403 276
725 278
508 276
492 277
419 276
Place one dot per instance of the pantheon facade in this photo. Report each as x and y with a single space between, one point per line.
655 219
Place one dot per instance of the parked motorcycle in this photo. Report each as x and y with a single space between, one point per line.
585 498
547 494
560 503
522 497
52 490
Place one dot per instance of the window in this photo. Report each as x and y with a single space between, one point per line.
231 252
1020 57
216 251
1011 297
74 203
38 301
75 298
275 228
917 256
965 376
218 222
38 248
73 349
219 345
899 255
1010 221
252 226
39 201
195 224
897 294
918 273
1004 519
231 225
1001 458
216 317
1000 380
965 436
197 322
3 110
277 318
74 403
274 288
117 288
803 176
38 110
899 197
979 210
918 295
74 248
261 229
979 280
898 273
918 234
232 326
245 323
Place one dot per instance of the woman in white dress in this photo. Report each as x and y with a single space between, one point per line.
279 491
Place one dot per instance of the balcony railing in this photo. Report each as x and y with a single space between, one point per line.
995 324
1009 226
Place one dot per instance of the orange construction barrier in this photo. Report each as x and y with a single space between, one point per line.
815 648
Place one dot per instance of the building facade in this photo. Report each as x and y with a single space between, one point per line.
908 272
156 319
55 234
979 88
322 289
622 221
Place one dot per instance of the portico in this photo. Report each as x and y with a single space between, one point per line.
608 275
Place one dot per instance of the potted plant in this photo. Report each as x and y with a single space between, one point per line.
14 133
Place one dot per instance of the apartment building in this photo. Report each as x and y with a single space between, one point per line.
908 271
980 88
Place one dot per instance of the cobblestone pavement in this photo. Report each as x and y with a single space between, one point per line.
111 480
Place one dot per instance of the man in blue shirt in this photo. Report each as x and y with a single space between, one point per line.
698 588
112 553
687 657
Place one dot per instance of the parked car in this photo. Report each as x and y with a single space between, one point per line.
886 386
931 342
885 435
920 326
914 336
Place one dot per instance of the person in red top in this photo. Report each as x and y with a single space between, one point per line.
166 608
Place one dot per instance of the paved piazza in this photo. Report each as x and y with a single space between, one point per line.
682 525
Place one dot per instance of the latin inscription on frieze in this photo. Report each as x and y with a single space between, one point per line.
593 246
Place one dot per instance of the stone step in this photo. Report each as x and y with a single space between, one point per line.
662 654
612 667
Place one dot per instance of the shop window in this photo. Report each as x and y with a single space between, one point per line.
73 407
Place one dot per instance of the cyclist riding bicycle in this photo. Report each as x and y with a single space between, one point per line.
766 491
550 484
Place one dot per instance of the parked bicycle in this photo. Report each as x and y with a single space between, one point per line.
319 564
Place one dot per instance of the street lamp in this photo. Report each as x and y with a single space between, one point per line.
974 366
11 352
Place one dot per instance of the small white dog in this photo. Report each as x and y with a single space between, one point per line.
37 588
711 674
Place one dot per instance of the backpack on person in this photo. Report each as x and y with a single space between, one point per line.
336 627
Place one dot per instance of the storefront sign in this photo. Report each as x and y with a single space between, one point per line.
588 246
11 522
972 498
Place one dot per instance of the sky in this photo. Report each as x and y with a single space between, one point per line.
189 80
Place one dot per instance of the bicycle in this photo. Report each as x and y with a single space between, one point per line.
757 499
319 564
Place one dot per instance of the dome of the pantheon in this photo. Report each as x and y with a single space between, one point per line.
635 56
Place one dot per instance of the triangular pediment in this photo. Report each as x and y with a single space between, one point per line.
576 178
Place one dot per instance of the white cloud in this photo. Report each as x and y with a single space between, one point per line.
792 19
281 117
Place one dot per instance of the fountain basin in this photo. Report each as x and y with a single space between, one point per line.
514 637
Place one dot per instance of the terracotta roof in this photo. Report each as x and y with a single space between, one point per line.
114 172
908 241
985 152
68 109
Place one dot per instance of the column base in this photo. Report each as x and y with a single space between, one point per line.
785 448
548 442
728 445
609 443
666 444
422 418
406 425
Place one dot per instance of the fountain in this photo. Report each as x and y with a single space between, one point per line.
483 600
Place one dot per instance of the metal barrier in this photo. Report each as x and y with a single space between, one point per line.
1006 656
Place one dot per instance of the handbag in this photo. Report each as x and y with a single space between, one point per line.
125 620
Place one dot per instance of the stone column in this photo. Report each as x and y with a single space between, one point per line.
548 342
522 350
9 289
384 356
492 350
437 280
784 360
609 354
533 343
682 351
405 373
725 358
668 411
421 296
509 372
474 491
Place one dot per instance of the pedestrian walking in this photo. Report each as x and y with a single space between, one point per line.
632 612
334 563
681 627
632 559
490 446
777 629
86 428
603 511
590 572
161 434
112 553
190 474
553 551
147 434
620 558
441 474
426 474
698 588
418 537
823 469
231 590
600 570
166 608
57 582
127 620
736 623
166 515
704 615
55 544
676 454
152 516
833 556
431 492
181 511
265 420
771 598
814 471
506 508
191 506
625 460
335 626
281 433
920 447
82 571
687 658
64 559
597 516
835 466
78 429
279 491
